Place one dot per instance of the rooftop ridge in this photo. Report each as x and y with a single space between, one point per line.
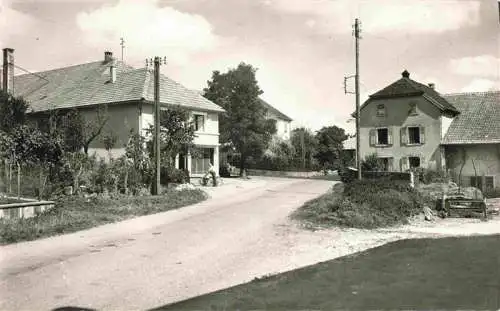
473 93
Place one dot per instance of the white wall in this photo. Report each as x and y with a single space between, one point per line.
445 124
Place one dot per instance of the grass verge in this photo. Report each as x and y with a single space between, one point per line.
422 274
72 214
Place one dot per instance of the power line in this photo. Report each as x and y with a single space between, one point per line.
31 73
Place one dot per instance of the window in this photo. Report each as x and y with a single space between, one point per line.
381 110
476 182
414 162
382 136
386 164
199 122
414 135
202 157
489 182
413 109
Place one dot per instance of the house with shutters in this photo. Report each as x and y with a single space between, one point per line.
128 95
404 124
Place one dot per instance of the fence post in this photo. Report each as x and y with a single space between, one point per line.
412 180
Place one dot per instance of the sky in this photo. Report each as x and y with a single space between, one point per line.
302 49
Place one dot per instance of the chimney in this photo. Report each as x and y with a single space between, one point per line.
405 74
8 70
112 72
432 86
108 56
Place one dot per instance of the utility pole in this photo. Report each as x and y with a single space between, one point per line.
357 31
156 139
303 149
122 43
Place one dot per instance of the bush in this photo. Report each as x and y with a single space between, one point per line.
428 176
365 204
170 174
371 163
347 175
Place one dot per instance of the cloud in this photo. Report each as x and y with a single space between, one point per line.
13 23
481 85
484 65
416 16
148 30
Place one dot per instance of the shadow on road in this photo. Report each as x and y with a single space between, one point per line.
72 309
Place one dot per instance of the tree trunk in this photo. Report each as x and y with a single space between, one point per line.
10 177
18 181
242 164
125 181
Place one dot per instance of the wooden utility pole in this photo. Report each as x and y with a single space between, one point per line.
303 149
156 135
358 145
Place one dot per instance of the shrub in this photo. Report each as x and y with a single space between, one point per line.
428 176
365 204
371 163
170 174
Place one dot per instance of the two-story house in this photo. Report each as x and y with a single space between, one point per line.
404 124
128 94
283 122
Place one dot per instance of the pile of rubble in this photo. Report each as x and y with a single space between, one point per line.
436 190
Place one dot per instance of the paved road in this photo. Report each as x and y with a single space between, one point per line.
163 258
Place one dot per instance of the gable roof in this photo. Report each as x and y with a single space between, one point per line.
88 84
479 119
275 111
406 87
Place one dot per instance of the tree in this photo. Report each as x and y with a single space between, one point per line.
330 144
305 145
29 146
244 125
12 111
176 133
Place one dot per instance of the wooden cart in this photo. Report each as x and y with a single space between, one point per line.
462 205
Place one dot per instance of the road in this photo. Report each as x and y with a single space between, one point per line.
158 259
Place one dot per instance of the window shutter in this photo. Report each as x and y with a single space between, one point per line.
404 164
422 135
404 136
422 161
389 135
373 137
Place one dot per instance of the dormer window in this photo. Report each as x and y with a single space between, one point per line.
381 110
413 109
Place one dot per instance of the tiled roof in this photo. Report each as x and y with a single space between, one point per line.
478 121
88 84
408 87
275 111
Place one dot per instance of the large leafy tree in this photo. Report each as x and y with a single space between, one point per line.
244 125
12 111
305 146
176 133
330 144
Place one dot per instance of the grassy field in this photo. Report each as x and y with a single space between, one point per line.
423 274
78 213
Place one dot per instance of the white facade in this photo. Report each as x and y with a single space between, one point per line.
206 140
